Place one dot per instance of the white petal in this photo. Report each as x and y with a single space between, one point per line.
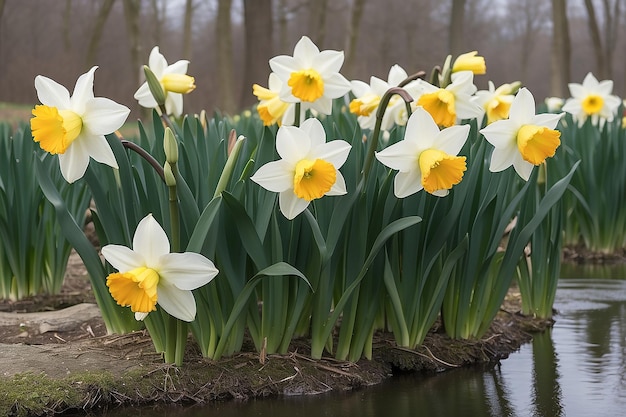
467 109
52 93
291 205
276 176
421 128
336 152
605 87
401 156
501 134
291 144
407 183
174 104
502 158
103 116
178 67
74 161
150 241
122 258
577 91
144 97
452 139
523 168
328 62
315 131
523 107
178 303
186 271
323 105
548 120
141 316
339 187
157 62
98 148
305 50
359 88
83 91
397 74
336 86
283 66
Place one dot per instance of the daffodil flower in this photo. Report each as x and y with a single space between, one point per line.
554 104
271 108
368 96
174 81
74 127
524 139
470 61
427 157
311 76
308 170
452 104
592 99
496 102
150 274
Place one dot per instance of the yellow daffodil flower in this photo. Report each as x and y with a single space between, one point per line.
368 96
525 139
271 108
311 76
174 81
452 104
496 101
592 99
149 274
470 61
74 127
308 170
427 157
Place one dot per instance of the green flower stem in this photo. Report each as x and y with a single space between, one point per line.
174 215
296 117
412 77
145 155
382 107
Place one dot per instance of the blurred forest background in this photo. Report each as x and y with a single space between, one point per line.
543 43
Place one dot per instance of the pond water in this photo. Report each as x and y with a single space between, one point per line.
575 369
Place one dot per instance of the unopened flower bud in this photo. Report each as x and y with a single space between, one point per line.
170 146
155 86
178 83
470 61
170 179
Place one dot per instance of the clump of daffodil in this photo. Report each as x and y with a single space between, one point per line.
311 76
308 170
470 61
74 127
592 99
554 104
496 101
149 274
271 108
174 82
525 139
368 96
453 103
427 157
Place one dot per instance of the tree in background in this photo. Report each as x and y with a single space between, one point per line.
561 50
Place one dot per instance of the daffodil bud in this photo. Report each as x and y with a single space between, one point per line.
470 61
154 85
178 83
170 146
170 179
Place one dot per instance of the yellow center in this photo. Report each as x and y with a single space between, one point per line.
313 179
497 109
178 83
365 105
307 85
136 288
440 105
55 130
440 171
592 104
536 143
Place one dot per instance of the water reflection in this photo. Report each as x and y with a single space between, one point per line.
577 368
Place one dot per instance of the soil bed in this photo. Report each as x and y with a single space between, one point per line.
49 365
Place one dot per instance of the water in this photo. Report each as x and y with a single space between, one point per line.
575 369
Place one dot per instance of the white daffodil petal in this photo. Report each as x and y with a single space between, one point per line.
141 316
501 134
291 144
150 241
178 303
291 205
397 74
283 66
323 105
315 132
157 62
144 97
74 161
407 183
336 152
51 93
276 176
339 187
104 116
178 67
186 271
421 128
328 61
502 158
305 50
549 120
452 139
122 258
335 86
523 168
83 91
98 148
401 156
174 103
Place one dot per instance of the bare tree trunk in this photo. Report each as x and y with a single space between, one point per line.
158 21
131 15
353 35
455 30
282 26
187 29
560 73
258 48
611 28
596 40
94 41
224 39
317 21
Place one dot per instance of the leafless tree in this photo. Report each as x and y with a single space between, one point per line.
561 50
352 35
132 10
224 39
94 41
455 30
187 25
258 48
